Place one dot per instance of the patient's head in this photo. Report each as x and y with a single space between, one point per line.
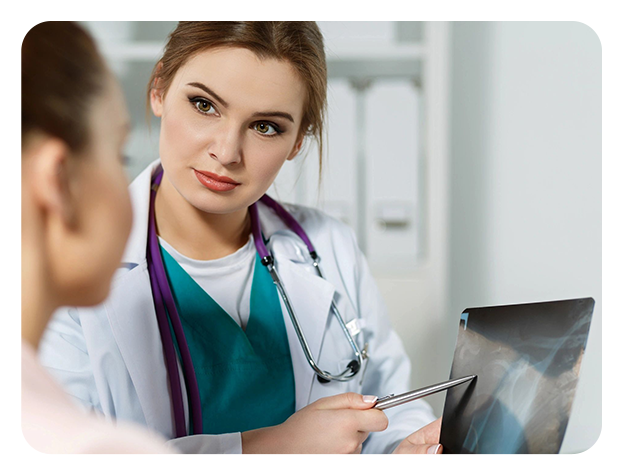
76 213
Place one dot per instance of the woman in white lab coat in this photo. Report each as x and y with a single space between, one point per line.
236 101
75 207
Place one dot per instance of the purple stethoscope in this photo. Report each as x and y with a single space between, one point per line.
164 303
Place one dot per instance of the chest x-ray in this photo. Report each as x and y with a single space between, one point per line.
527 358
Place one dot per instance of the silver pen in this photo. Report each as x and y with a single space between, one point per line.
391 400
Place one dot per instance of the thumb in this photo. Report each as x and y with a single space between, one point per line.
421 453
346 401
430 449
434 452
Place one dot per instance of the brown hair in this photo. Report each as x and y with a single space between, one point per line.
62 73
298 42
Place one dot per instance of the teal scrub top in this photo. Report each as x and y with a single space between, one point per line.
245 377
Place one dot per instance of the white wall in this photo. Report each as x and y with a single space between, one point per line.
526 179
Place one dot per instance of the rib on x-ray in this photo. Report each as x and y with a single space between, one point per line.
527 358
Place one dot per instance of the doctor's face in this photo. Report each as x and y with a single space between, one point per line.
229 121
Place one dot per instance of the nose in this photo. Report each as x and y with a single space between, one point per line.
225 145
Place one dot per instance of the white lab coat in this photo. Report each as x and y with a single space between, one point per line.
110 357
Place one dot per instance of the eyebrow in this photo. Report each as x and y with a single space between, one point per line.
206 89
284 115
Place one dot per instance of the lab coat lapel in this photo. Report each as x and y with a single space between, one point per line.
132 316
133 321
309 294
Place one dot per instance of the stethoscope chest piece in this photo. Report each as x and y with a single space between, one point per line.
354 367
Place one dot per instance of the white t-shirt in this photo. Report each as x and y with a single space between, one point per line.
227 280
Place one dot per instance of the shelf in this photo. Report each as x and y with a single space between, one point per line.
152 50
134 51
386 52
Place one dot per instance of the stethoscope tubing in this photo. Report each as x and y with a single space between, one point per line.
290 221
267 260
162 294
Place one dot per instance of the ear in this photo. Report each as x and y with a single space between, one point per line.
297 148
49 174
156 96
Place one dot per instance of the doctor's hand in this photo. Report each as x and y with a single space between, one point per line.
423 441
336 424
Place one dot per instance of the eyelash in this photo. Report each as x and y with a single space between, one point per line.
196 100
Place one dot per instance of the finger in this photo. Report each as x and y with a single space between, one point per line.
429 434
422 453
429 453
435 425
346 401
359 449
432 431
362 437
372 420
435 449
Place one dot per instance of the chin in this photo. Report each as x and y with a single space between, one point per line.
91 289
101 294
88 296
222 203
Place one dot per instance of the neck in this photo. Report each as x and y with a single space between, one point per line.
37 296
194 233
37 299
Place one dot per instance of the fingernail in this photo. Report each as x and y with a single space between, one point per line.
369 399
434 449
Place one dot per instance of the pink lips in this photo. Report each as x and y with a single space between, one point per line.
215 182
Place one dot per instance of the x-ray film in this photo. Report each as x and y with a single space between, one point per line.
527 359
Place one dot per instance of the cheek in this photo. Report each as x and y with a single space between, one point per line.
121 205
181 134
173 132
265 162
116 224
92 251
112 221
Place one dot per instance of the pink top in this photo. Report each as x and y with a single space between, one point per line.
52 423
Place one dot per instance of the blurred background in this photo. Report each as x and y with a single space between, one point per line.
465 155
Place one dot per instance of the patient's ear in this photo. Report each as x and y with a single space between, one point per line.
49 174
